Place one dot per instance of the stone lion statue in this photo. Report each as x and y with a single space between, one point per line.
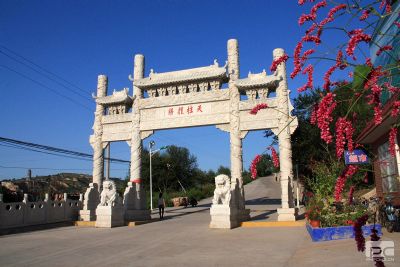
109 195
222 192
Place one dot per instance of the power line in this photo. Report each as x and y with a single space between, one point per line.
45 86
48 77
39 67
51 150
52 169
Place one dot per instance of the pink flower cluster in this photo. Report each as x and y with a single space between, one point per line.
358 233
376 91
341 181
339 64
397 24
395 109
278 61
391 88
297 58
313 14
384 48
309 69
365 14
275 158
344 131
253 166
332 13
257 108
356 36
324 116
392 141
388 7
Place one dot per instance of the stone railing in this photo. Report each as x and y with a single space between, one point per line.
25 213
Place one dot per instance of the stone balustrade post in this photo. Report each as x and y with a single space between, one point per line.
65 196
1 198
46 197
80 197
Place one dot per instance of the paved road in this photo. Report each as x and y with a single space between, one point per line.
183 239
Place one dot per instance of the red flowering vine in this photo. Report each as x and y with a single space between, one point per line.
356 36
358 233
365 14
275 158
324 116
278 61
313 14
309 69
257 108
344 131
253 166
341 181
395 109
384 48
392 141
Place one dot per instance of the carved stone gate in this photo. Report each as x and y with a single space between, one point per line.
194 97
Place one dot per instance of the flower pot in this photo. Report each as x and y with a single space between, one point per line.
315 223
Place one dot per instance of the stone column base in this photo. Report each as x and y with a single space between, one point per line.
137 215
226 217
108 216
87 215
287 214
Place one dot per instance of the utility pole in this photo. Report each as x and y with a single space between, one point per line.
151 144
108 161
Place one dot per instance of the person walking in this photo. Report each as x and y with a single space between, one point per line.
161 205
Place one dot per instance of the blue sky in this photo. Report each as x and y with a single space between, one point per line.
79 40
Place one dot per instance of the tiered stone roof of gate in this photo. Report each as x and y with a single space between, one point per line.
258 80
213 72
118 97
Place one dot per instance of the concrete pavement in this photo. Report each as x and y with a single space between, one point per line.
184 239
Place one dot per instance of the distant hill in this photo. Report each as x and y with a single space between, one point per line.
57 184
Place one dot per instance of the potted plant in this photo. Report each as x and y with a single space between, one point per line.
314 217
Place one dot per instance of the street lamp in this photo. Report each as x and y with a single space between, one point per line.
151 153
151 144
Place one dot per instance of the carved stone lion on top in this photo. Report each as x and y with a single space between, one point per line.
222 192
109 195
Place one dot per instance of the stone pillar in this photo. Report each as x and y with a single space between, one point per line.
137 200
235 140
232 214
287 212
98 156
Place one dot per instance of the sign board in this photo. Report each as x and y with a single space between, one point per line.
358 156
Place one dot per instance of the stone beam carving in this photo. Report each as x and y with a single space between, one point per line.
184 99
257 86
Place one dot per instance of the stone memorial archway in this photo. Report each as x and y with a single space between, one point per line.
193 97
